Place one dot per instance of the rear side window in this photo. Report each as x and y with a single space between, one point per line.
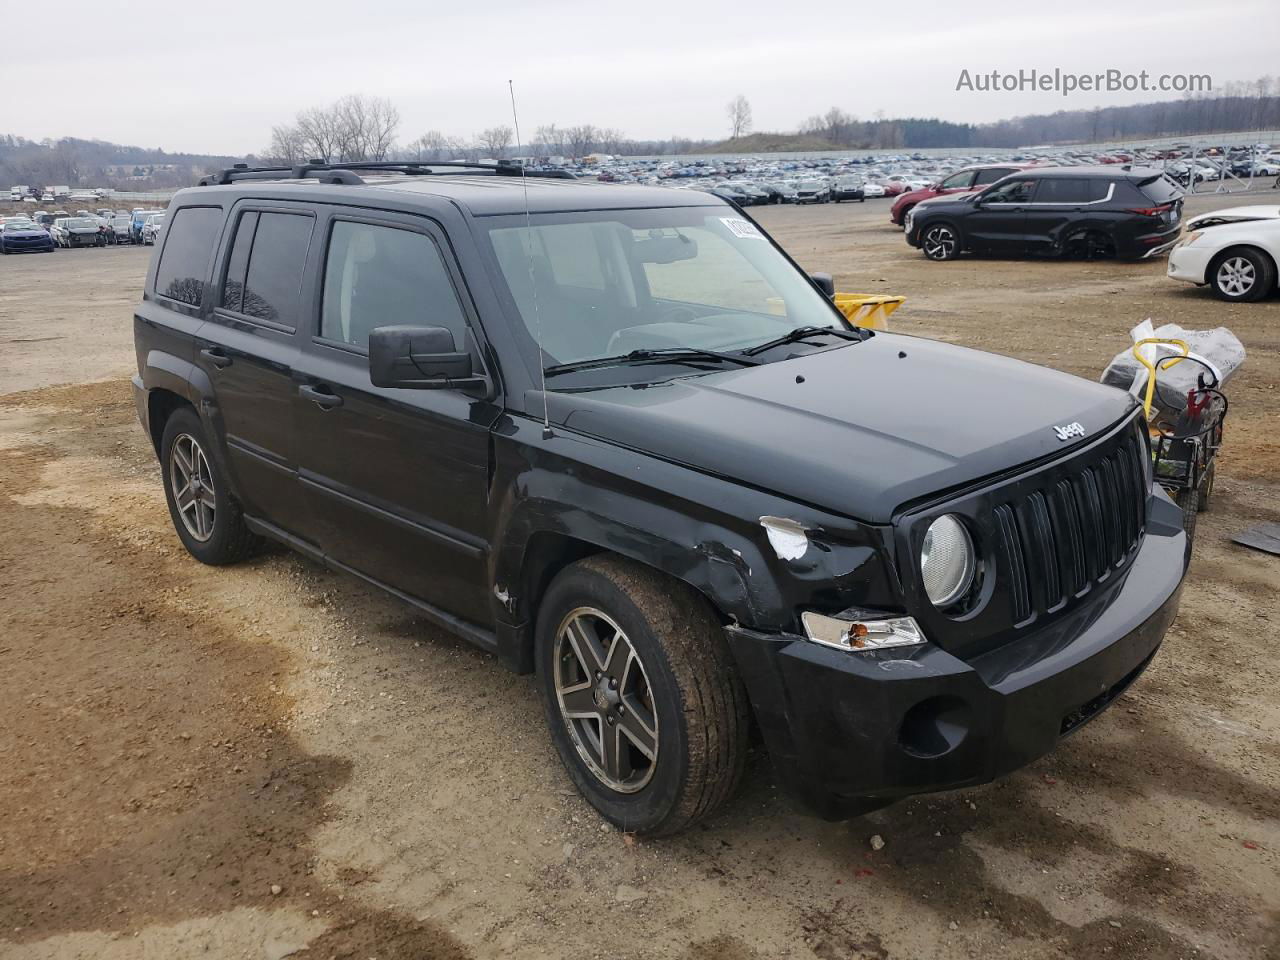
991 176
377 276
960 181
264 272
1069 190
184 263
1160 189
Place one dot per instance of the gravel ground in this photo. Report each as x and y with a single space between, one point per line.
270 760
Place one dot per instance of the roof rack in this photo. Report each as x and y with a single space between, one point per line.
346 173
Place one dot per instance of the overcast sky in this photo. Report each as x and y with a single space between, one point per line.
214 77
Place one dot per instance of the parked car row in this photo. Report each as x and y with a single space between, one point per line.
45 232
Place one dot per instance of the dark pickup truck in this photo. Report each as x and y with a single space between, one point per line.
615 436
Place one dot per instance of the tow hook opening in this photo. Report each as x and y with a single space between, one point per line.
934 727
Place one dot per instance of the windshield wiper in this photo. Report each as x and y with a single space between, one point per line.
800 333
661 355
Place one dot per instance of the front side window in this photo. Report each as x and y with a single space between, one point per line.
1012 191
379 276
958 181
184 262
654 279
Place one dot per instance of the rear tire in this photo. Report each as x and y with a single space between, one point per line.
628 658
207 519
1242 275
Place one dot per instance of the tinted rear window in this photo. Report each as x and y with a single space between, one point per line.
184 264
1160 189
1071 190
264 273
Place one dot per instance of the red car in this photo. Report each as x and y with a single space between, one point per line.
970 178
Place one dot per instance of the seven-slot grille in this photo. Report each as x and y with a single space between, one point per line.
1058 541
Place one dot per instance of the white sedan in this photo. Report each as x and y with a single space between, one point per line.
1234 251
870 189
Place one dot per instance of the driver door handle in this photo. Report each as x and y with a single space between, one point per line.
216 357
321 396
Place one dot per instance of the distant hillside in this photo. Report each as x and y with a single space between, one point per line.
766 143
97 163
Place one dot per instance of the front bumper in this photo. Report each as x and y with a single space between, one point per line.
850 732
1190 263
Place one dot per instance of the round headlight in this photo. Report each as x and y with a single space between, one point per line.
946 560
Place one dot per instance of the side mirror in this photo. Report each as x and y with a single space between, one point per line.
422 358
825 283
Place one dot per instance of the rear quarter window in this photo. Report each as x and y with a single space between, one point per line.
188 248
1160 189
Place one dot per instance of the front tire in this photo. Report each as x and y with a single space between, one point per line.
642 697
940 242
1242 276
208 520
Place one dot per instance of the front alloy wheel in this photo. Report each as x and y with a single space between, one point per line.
939 242
1236 277
192 483
642 696
605 700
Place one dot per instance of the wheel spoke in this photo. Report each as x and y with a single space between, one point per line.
636 723
185 498
585 646
618 658
183 459
617 758
579 702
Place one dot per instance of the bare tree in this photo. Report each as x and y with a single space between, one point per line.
496 140
581 140
611 140
548 140
739 111
354 128
432 145
286 145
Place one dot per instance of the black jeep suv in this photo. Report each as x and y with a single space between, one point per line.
1107 211
616 437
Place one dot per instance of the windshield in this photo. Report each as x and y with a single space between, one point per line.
79 222
15 227
609 283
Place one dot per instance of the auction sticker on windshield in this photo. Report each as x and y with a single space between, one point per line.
743 229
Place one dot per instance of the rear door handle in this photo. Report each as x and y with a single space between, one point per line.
321 396
216 357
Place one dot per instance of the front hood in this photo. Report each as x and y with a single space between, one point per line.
872 426
917 196
24 234
1235 215
945 198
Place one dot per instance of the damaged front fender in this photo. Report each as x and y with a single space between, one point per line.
566 496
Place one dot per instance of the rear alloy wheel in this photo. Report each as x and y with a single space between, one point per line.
1242 275
641 693
940 242
1090 245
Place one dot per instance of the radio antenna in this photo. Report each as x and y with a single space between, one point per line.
533 282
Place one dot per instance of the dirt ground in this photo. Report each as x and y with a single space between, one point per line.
271 760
